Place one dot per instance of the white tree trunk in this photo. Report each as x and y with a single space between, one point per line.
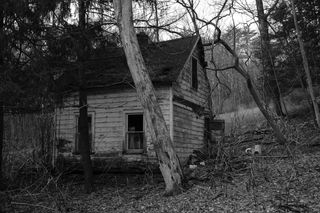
167 157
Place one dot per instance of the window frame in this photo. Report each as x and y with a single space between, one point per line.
126 132
194 73
76 148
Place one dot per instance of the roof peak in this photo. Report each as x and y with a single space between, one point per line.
176 39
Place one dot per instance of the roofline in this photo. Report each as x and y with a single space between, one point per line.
190 54
115 86
175 39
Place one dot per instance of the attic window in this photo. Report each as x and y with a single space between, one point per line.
194 74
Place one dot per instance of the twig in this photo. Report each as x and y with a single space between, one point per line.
35 205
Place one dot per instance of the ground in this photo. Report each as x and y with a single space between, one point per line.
281 179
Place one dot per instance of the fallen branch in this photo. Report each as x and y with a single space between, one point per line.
34 205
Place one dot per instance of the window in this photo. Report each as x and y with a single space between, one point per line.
77 134
134 133
194 76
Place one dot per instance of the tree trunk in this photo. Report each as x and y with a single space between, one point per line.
167 157
84 144
157 20
1 141
254 94
1 98
306 65
84 141
267 63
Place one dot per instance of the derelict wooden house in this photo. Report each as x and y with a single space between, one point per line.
116 122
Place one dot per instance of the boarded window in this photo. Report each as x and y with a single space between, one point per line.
194 77
77 135
134 133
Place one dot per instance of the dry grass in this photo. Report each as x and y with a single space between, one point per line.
28 142
242 120
282 179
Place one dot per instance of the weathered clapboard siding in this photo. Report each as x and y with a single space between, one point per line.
183 88
187 131
180 104
188 127
108 110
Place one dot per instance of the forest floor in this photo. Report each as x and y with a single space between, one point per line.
281 179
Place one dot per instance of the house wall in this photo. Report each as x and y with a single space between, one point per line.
183 88
108 109
188 126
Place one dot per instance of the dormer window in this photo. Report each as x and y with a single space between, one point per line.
194 74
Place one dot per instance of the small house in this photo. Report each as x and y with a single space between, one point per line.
117 126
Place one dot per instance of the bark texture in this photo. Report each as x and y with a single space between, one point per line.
1 98
167 157
305 65
273 88
84 144
1 141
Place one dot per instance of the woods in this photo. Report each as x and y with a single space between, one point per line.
137 99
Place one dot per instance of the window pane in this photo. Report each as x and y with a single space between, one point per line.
135 122
135 135
194 73
135 140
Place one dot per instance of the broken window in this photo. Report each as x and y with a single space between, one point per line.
194 76
77 135
134 133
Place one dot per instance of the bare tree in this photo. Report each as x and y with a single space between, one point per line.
1 140
167 157
243 72
1 98
254 94
83 107
305 65
267 61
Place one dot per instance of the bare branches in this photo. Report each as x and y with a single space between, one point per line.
271 9
164 27
190 7
239 69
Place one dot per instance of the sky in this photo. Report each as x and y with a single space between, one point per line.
206 10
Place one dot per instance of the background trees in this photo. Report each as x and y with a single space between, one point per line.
40 38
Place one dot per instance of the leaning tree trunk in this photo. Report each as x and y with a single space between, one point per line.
167 157
252 90
84 144
306 65
267 63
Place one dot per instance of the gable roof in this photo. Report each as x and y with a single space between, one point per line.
108 67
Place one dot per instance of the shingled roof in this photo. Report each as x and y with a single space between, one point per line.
108 67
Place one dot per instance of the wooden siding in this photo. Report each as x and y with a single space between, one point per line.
183 86
188 131
109 108
109 111
188 126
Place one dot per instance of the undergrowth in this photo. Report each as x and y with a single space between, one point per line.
280 179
